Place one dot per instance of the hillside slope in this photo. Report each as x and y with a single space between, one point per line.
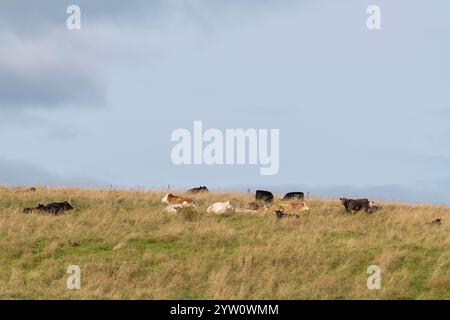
127 247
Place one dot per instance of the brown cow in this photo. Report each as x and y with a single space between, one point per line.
172 199
291 206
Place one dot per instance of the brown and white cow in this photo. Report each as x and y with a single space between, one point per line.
291 206
173 199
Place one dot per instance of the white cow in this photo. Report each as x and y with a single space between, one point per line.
220 207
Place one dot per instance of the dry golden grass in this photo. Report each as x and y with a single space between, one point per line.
128 248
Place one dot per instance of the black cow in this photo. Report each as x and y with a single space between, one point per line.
437 222
53 208
294 196
265 196
199 189
40 207
356 204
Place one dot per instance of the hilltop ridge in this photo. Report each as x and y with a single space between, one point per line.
127 247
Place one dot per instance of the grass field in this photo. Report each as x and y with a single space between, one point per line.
127 247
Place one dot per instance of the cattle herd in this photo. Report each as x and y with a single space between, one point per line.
289 206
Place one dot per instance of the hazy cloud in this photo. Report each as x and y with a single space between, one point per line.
352 105
42 64
47 72
21 173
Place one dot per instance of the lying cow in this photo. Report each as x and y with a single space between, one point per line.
265 196
172 199
220 207
294 196
53 208
436 222
294 206
257 206
356 204
199 190
30 190
252 207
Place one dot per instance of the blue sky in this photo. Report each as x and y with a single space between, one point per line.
355 108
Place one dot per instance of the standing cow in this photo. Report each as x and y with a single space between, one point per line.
265 196
294 196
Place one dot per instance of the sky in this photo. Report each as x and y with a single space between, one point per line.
359 111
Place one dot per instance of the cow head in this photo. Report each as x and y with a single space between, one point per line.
227 205
305 207
67 206
165 199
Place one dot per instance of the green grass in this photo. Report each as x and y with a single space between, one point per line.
127 247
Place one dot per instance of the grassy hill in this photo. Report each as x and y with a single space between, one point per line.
128 247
